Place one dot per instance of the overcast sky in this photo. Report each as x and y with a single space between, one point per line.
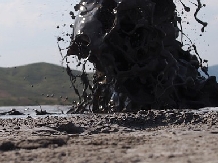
28 30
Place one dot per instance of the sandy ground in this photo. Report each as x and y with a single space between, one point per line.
148 136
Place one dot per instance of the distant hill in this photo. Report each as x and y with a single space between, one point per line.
35 84
41 84
213 71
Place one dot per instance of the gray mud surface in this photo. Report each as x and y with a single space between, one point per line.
147 136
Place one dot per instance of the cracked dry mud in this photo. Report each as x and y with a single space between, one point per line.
148 136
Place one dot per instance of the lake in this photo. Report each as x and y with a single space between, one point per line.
60 110
56 110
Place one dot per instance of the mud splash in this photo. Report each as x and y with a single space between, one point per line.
139 62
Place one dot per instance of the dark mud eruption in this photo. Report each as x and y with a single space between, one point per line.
139 62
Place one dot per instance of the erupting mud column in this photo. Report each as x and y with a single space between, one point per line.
139 62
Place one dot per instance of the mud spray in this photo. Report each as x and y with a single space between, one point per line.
139 62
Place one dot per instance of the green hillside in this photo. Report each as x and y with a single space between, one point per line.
34 84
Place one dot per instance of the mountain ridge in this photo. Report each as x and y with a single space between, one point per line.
213 70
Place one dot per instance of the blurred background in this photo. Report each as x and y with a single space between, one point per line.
31 71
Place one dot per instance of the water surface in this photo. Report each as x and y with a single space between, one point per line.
56 110
59 110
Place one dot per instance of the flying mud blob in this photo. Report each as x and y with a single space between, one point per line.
139 62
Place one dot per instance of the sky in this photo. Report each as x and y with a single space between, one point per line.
28 32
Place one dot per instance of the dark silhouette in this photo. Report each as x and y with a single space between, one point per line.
140 64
